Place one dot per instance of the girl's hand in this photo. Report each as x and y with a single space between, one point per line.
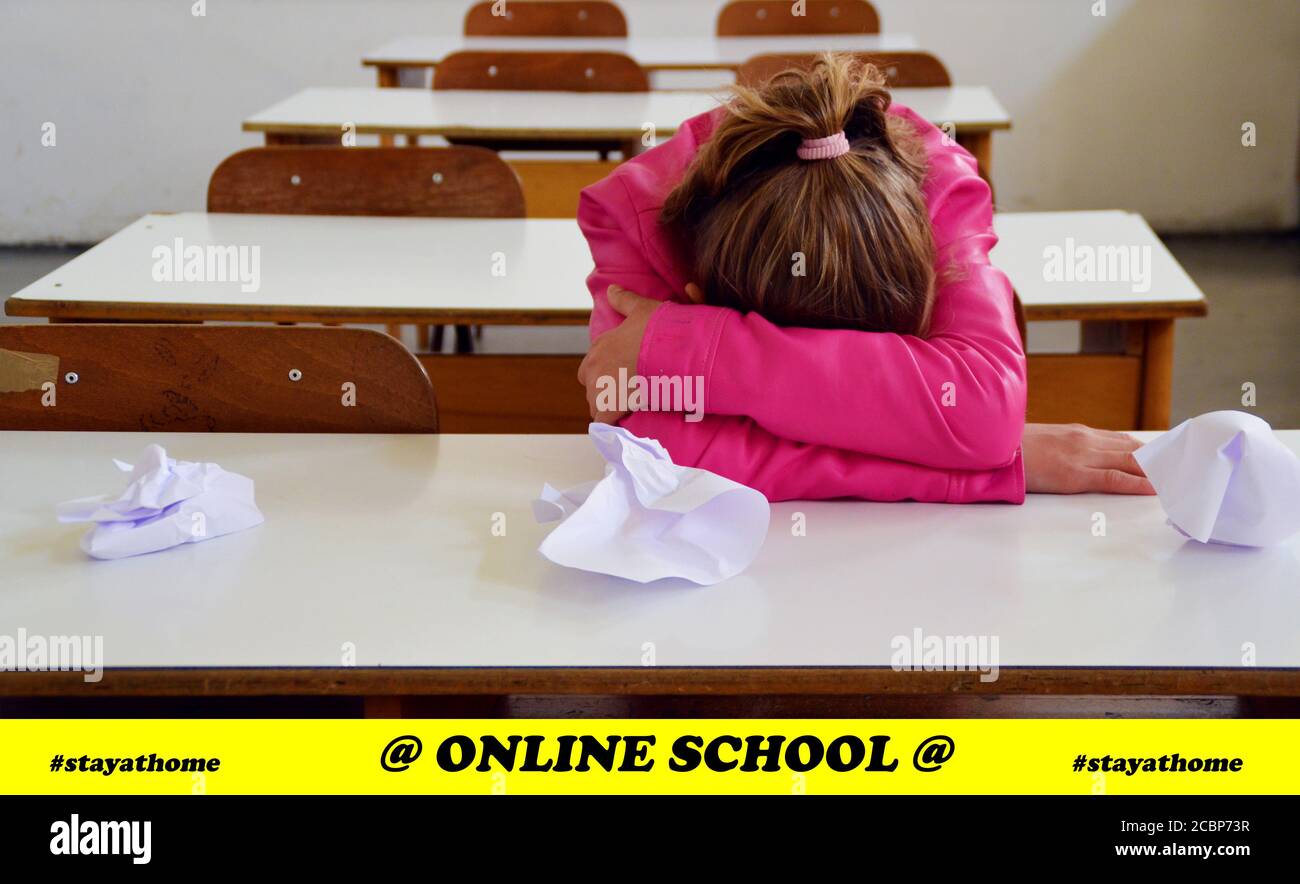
1074 459
620 347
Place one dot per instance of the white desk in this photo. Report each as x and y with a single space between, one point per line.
440 269
386 542
652 53
558 116
1025 237
332 268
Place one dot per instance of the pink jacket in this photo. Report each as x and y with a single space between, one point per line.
824 413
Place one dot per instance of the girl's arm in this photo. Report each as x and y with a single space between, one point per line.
741 450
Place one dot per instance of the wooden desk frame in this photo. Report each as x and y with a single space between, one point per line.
1127 351
387 691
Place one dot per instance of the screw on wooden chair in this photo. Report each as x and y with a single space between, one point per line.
761 13
71 377
582 15
295 374
590 72
295 180
437 177
492 70
835 12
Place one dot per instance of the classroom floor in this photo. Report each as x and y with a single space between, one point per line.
1250 335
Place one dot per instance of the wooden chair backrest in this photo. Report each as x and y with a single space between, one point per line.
546 18
541 71
902 70
224 379
456 182
768 18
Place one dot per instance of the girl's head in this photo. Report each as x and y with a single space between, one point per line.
842 241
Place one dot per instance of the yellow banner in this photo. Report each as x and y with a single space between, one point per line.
645 756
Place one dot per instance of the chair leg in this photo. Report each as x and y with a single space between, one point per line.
435 338
464 341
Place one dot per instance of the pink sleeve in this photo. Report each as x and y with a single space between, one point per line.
741 450
736 446
618 258
954 400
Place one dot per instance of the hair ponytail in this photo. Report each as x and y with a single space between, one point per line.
749 209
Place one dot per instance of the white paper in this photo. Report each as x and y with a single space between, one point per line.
648 518
1224 477
166 503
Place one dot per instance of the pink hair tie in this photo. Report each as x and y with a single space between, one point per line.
827 148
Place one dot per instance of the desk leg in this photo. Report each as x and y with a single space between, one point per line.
629 149
1157 374
980 145
387 75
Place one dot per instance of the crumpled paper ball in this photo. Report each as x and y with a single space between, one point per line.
1225 477
649 518
166 503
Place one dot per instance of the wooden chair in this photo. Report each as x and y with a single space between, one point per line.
902 70
769 18
197 378
426 182
546 18
542 72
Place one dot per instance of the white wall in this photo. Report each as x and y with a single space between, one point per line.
1140 109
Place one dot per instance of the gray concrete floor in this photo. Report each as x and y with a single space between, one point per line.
1250 336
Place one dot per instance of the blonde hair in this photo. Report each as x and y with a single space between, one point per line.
751 215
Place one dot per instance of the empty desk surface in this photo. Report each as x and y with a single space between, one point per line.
652 53
480 113
1025 239
318 268
387 543
557 115
331 268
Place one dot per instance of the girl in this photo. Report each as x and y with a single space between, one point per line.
820 258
